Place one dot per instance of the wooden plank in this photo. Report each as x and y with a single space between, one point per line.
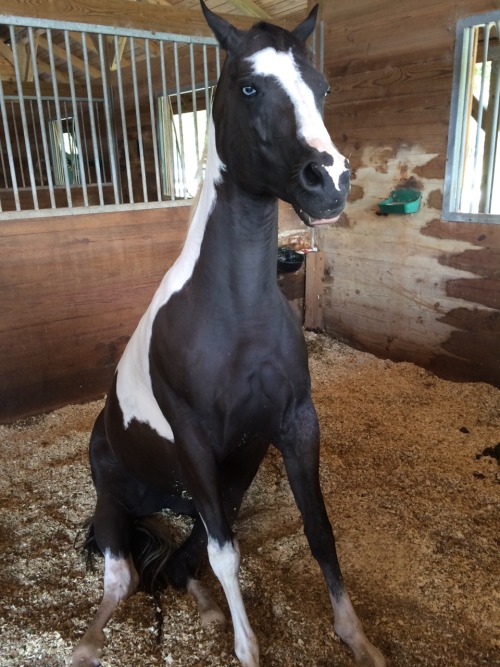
313 316
76 62
250 8
391 80
72 290
142 16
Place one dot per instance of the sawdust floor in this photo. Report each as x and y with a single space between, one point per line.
412 486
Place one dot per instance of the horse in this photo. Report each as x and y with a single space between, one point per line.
216 371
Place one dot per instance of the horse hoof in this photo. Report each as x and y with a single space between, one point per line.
213 616
370 657
83 657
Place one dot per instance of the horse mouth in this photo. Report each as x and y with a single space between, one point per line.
310 221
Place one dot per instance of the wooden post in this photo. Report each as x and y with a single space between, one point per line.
313 316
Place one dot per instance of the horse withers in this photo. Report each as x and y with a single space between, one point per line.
217 370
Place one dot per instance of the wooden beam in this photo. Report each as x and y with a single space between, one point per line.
161 18
46 89
6 52
76 62
91 46
250 8
315 267
44 68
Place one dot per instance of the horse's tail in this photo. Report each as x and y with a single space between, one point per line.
151 546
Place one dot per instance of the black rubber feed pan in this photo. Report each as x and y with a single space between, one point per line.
289 260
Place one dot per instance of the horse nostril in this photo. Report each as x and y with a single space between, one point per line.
311 176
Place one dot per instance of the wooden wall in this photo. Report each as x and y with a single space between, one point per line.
406 287
72 290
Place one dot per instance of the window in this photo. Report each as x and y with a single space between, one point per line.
182 139
472 182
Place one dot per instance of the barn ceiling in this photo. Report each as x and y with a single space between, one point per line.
264 9
271 10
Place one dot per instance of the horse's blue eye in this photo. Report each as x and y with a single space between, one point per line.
248 91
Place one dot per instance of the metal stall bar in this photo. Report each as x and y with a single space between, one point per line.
493 147
18 145
8 144
24 122
35 134
85 145
41 117
165 130
461 121
179 114
153 120
121 102
95 147
138 120
109 124
205 82
76 121
59 122
482 95
193 99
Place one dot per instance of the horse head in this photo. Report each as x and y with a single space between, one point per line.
267 114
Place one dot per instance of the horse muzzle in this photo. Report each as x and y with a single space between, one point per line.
321 192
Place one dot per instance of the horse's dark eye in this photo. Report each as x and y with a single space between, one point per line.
249 90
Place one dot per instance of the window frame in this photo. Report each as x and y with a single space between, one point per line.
453 159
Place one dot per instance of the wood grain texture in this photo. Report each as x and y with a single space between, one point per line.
72 290
405 287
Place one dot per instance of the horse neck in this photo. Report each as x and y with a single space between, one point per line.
232 239
240 243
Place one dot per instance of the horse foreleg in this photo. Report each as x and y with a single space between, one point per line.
120 581
225 562
299 444
223 552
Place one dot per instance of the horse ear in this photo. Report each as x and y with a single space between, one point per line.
227 35
304 29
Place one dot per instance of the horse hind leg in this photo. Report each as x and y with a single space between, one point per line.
120 581
182 569
111 527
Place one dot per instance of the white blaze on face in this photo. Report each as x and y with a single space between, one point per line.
281 66
133 384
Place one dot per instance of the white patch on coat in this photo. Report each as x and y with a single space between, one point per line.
282 67
225 562
133 385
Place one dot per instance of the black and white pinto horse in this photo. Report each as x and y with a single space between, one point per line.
217 368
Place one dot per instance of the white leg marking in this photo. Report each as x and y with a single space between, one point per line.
349 629
120 581
225 562
209 610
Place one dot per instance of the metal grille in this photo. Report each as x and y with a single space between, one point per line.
96 116
86 113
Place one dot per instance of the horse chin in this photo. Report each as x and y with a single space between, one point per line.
311 221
